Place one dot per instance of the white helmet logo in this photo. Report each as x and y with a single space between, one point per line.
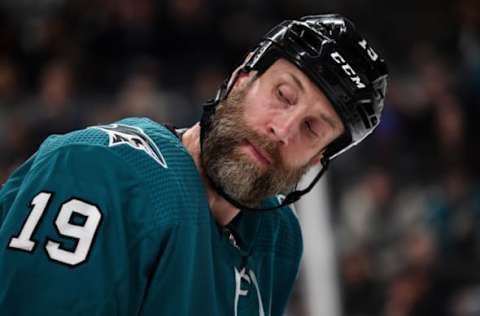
348 69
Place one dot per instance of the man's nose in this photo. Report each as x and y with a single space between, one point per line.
284 128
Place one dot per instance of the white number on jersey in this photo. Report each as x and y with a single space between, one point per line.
84 233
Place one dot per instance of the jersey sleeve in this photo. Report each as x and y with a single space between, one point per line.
76 239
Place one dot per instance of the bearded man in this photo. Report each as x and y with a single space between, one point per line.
134 218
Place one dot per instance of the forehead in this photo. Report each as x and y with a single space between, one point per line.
284 71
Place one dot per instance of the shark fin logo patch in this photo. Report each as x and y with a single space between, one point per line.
135 137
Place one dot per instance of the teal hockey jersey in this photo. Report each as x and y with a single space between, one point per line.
114 220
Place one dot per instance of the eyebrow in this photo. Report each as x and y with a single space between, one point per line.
297 81
326 118
330 121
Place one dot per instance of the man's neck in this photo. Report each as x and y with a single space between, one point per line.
222 211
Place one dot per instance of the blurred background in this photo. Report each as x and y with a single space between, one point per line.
402 207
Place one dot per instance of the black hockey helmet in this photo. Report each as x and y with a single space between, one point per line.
329 50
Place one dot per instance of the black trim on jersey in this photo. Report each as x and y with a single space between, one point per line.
172 129
35 241
175 131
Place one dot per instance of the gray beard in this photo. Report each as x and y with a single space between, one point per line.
240 178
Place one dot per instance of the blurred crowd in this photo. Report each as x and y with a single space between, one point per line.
406 203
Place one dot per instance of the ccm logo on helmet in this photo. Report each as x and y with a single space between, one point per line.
348 69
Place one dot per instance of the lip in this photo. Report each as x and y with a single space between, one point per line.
258 153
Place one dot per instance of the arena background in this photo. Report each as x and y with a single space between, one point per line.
395 221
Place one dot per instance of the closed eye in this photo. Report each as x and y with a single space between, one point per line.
282 96
286 94
310 128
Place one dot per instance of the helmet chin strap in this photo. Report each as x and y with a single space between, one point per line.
289 198
205 125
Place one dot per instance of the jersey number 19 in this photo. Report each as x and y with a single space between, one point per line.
83 232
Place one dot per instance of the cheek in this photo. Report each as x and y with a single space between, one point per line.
257 114
293 156
299 156
259 107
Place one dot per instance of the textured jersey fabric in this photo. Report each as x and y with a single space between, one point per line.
114 220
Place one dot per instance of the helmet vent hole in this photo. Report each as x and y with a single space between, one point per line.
367 115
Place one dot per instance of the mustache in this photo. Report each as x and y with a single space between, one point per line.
235 132
262 142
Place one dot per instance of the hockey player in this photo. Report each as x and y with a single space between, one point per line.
133 218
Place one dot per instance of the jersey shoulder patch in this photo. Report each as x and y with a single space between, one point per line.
133 136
